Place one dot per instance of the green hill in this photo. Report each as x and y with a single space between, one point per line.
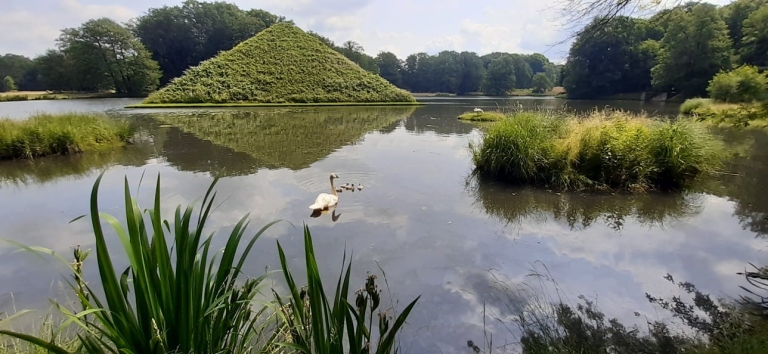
282 64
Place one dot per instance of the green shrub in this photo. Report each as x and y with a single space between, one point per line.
541 83
280 64
692 104
743 84
47 134
602 150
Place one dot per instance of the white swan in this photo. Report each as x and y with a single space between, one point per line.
325 200
478 110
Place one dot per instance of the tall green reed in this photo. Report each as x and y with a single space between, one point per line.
168 300
315 325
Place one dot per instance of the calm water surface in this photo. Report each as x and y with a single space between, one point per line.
434 231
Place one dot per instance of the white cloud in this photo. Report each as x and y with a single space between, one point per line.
32 27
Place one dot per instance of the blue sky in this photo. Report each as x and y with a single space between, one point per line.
29 27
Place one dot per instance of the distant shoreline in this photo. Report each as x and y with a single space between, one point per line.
256 104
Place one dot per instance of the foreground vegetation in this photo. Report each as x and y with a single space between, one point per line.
282 64
540 319
47 134
184 297
610 149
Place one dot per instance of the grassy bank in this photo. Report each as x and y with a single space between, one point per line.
281 64
600 150
482 116
285 104
190 297
45 95
47 134
753 115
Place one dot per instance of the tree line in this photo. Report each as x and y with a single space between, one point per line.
678 50
137 57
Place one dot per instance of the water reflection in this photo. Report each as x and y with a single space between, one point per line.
518 205
332 210
744 177
284 138
53 168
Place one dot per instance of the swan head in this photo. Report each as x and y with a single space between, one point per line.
333 175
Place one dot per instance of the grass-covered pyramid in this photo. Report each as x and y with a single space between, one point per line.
281 64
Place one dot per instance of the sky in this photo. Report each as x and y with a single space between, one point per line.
400 26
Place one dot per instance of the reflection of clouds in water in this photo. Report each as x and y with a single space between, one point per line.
416 219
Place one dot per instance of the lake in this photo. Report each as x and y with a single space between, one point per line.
435 231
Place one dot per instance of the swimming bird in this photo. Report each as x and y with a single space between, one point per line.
359 187
325 200
339 190
352 187
478 110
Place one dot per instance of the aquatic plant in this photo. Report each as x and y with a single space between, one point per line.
52 134
282 64
692 104
187 298
482 116
178 299
315 325
601 150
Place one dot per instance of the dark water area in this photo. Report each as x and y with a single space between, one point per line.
434 230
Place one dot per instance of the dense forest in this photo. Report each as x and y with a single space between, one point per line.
137 57
677 50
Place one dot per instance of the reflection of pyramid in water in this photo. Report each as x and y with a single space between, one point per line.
286 138
280 64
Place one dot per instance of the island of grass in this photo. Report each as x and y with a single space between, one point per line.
752 114
610 150
282 65
482 116
47 134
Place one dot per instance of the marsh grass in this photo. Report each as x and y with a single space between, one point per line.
315 324
598 150
482 116
48 134
692 104
281 64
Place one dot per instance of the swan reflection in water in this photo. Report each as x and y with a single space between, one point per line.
317 213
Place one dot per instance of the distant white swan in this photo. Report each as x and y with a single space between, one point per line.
478 110
325 200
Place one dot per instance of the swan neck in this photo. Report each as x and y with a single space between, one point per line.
333 189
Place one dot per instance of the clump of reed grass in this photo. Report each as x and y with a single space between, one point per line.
691 104
53 134
482 116
187 298
316 325
601 150
170 299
